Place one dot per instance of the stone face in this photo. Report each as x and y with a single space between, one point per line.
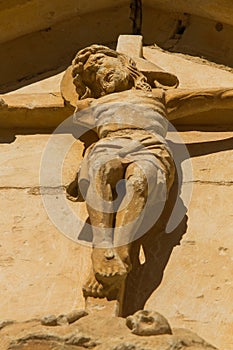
147 323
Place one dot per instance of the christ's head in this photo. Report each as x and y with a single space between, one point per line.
98 71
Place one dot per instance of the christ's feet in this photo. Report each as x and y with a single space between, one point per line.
93 288
108 267
124 254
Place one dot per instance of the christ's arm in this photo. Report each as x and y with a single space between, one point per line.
183 102
83 113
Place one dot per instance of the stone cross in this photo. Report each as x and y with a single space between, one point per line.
130 45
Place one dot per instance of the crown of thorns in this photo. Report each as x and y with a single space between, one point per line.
83 55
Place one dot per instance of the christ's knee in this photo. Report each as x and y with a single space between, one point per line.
110 172
137 181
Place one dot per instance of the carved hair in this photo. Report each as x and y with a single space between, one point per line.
138 80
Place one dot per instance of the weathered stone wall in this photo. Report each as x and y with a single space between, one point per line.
50 50
43 14
188 33
42 271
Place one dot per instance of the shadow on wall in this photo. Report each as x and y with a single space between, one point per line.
157 245
207 39
39 55
189 34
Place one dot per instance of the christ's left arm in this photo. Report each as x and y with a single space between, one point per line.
183 102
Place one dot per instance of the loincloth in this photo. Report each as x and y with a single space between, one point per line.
131 147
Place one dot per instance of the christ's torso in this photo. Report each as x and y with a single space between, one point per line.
130 109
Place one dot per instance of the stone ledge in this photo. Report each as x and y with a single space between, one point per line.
35 100
41 110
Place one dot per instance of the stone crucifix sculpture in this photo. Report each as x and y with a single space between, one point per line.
128 104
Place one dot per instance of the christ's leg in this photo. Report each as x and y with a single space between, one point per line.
146 188
107 265
129 215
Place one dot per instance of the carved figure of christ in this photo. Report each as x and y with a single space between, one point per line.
130 118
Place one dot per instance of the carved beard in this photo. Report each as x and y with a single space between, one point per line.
115 80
